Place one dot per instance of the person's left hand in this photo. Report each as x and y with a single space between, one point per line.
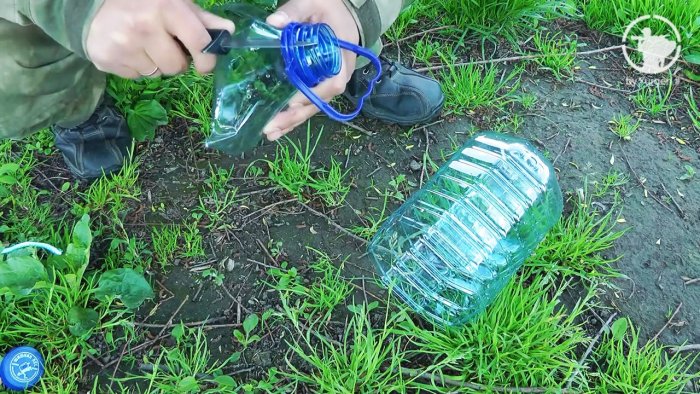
338 17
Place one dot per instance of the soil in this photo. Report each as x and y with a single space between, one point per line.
569 123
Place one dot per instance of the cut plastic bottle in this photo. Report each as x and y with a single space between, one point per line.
252 85
452 247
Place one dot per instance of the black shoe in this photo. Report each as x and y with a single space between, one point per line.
401 96
96 147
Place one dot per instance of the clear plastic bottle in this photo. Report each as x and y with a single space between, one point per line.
454 245
253 84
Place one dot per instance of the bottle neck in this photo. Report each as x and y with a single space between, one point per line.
315 63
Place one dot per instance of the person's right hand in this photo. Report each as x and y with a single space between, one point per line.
136 38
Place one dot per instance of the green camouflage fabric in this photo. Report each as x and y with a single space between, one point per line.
46 77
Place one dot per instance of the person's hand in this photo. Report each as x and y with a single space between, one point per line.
338 17
136 38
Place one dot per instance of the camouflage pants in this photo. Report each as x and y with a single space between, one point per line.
42 83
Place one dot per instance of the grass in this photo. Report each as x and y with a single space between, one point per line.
217 199
292 170
624 126
314 303
366 360
615 15
612 181
652 100
487 19
693 109
475 87
523 340
576 245
559 54
185 367
628 367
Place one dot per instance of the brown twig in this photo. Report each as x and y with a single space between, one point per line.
358 128
589 350
148 343
604 87
691 281
358 287
639 180
189 324
334 224
685 348
474 386
246 194
678 207
425 156
267 252
268 207
566 146
514 58
667 323
424 32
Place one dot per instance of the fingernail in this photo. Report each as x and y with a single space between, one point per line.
278 17
274 136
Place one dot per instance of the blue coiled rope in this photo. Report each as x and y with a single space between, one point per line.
308 66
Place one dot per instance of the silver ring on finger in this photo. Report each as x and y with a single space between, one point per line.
152 73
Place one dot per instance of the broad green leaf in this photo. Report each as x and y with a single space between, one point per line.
127 285
692 58
225 381
81 320
250 323
8 179
178 331
20 273
9 168
188 385
619 328
82 235
239 335
234 357
691 75
144 118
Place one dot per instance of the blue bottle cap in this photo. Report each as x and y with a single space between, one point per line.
21 368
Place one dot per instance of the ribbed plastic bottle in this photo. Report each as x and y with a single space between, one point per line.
452 247
252 84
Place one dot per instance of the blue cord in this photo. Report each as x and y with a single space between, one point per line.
23 245
307 66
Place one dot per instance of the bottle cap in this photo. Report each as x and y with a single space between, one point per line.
21 368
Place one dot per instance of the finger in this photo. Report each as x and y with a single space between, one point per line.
210 21
289 119
166 54
144 65
294 11
183 22
278 135
125 72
